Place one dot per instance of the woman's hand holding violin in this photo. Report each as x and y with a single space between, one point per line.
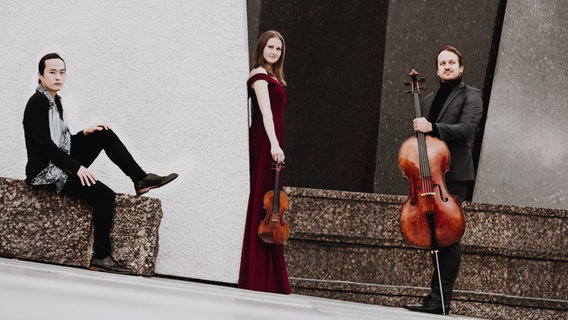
277 154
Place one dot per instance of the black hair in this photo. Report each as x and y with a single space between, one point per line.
41 65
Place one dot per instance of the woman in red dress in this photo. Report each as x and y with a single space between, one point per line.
262 265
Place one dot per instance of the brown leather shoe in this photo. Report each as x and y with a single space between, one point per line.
108 264
153 181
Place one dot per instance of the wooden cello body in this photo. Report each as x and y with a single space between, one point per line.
431 217
273 229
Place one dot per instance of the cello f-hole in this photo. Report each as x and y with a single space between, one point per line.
413 196
444 198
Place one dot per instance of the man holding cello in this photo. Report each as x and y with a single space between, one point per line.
452 114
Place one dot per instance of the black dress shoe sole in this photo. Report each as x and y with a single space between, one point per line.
168 179
95 268
425 309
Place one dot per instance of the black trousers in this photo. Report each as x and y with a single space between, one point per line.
86 149
449 257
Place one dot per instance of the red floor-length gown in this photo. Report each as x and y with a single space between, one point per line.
262 265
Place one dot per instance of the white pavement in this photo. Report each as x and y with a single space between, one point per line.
31 291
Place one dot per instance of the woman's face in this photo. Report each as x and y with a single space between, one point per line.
272 51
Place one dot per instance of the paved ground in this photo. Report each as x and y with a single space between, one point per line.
41 291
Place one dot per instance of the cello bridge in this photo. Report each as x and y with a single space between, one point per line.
428 194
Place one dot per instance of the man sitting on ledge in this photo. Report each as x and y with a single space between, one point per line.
58 160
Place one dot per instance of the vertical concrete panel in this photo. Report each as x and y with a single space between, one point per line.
334 66
524 153
416 30
254 7
170 79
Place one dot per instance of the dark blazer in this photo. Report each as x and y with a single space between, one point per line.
40 148
456 125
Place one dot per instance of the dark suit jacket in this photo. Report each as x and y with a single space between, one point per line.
456 126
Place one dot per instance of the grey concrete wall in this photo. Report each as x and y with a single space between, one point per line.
169 77
338 98
334 57
524 155
254 8
416 31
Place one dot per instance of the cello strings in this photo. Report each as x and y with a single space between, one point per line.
425 173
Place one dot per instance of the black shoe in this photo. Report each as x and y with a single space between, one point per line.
428 305
152 181
108 264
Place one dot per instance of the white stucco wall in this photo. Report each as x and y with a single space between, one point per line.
169 76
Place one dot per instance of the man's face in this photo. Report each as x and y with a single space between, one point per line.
53 77
448 66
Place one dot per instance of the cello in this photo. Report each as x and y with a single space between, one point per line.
431 218
273 229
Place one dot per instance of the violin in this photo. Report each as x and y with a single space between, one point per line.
273 229
431 217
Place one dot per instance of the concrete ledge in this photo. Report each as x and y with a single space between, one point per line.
347 245
38 225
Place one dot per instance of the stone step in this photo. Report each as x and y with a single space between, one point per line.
348 245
